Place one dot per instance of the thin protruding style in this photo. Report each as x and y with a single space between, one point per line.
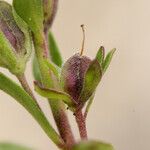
83 41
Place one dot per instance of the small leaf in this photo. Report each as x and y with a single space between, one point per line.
15 91
31 11
9 146
53 94
100 55
36 70
55 69
92 145
107 60
90 101
91 80
54 51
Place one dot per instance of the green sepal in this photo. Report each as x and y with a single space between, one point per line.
100 55
31 11
54 95
54 51
7 58
89 103
10 146
92 145
27 35
18 93
91 80
107 60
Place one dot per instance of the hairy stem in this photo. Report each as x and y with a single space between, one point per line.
80 119
57 107
25 85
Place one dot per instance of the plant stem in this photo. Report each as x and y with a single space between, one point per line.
25 85
80 119
57 107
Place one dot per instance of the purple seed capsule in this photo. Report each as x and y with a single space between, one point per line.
72 75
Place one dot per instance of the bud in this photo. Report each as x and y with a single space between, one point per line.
49 9
15 42
73 73
80 76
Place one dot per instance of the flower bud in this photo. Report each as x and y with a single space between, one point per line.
15 42
73 73
49 8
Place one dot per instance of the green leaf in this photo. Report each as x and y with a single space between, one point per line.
92 145
10 146
55 69
90 101
15 91
54 51
36 70
100 55
91 80
31 11
53 94
107 60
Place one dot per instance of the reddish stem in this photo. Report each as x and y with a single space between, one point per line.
64 128
80 119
